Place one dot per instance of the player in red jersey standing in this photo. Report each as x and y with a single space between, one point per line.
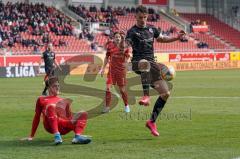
57 116
117 58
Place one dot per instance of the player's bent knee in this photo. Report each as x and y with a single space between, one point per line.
84 115
165 95
122 90
144 65
107 89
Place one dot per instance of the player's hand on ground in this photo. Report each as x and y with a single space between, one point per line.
26 139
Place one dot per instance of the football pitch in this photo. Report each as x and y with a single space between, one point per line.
200 121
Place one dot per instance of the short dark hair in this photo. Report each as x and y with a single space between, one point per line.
117 32
52 80
141 9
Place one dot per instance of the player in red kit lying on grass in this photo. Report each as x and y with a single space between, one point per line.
57 116
117 58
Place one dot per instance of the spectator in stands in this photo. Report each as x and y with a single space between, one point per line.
133 10
1 44
102 9
202 45
62 42
36 49
124 11
235 10
94 46
128 10
38 18
46 39
151 11
10 42
18 38
109 9
55 43
174 12
81 36
22 27
191 27
36 31
93 9
90 36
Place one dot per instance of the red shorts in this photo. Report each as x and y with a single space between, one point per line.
117 78
64 126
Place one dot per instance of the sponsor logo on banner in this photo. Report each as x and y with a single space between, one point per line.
200 28
234 56
23 61
155 2
19 71
205 65
87 1
199 57
222 57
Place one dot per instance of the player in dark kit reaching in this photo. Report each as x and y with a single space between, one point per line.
50 65
141 38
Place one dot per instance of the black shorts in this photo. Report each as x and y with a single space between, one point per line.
49 71
155 74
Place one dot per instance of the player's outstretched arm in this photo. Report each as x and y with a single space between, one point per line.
35 122
165 39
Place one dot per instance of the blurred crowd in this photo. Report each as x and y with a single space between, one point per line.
108 15
37 19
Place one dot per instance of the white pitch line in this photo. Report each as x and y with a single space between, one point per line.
204 97
118 95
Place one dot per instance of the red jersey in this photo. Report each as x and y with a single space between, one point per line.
62 110
117 58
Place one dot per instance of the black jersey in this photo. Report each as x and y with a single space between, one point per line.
49 58
142 40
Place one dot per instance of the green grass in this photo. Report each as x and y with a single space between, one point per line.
200 121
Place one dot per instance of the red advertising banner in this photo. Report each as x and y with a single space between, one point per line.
200 28
1 61
35 60
75 59
222 56
155 2
23 60
199 57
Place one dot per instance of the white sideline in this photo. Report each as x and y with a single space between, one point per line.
205 97
118 95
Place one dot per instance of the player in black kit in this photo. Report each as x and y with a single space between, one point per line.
141 38
50 65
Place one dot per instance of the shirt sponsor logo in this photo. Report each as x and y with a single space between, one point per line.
150 30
